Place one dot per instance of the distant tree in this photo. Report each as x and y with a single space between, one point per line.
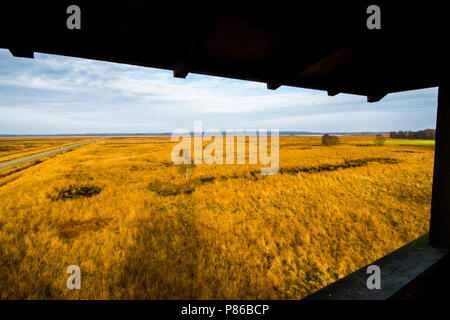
329 140
379 140
427 134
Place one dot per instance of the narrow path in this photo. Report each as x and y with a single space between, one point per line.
37 155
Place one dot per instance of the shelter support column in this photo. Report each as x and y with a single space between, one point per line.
440 203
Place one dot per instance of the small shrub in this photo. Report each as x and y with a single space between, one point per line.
379 140
353 163
186 169
207 179
73 192
329 140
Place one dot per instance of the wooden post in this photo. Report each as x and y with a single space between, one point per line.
440 203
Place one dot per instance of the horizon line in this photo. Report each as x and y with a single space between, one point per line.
203 132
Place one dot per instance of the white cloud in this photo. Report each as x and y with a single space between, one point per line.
124 96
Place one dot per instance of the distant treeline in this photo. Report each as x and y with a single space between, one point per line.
427 134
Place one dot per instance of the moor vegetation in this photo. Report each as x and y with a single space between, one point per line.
18 147
141 227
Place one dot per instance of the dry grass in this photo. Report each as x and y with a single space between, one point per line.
73 229
225 232
18 147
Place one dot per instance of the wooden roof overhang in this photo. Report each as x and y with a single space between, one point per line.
314 45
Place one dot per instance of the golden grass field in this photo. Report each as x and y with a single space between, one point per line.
18 147
143 230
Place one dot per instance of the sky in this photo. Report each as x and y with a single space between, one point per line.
62 95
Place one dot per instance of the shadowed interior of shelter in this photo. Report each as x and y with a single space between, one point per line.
313 45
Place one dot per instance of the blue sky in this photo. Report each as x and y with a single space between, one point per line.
56 95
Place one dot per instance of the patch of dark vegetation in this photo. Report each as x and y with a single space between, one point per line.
141 167
74 228
251 175
166 164
255 174
8 148
80 176
207 179
73 192
167 189
346 165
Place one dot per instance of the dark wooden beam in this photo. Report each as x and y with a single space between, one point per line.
332 92
183 65
376 97
331 63
289 58
274 85
440 203
181 69
201 34
22 52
